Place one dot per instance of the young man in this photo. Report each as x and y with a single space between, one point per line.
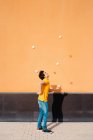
43 101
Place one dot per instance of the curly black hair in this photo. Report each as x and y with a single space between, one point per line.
41 75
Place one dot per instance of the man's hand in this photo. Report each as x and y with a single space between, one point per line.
55 88
51 90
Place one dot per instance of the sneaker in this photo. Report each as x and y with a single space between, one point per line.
46 130
39 128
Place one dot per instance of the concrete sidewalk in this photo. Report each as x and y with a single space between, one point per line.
61 131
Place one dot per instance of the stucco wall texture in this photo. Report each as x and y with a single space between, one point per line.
61 32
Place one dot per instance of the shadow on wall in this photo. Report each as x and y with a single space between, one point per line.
57 113
58 98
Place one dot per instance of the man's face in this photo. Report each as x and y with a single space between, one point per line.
46 75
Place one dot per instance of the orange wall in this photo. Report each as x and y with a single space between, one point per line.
40 22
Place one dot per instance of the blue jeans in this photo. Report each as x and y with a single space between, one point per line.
43 114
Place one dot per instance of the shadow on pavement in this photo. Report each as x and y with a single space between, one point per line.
53 125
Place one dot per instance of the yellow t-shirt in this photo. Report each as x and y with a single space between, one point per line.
44 91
